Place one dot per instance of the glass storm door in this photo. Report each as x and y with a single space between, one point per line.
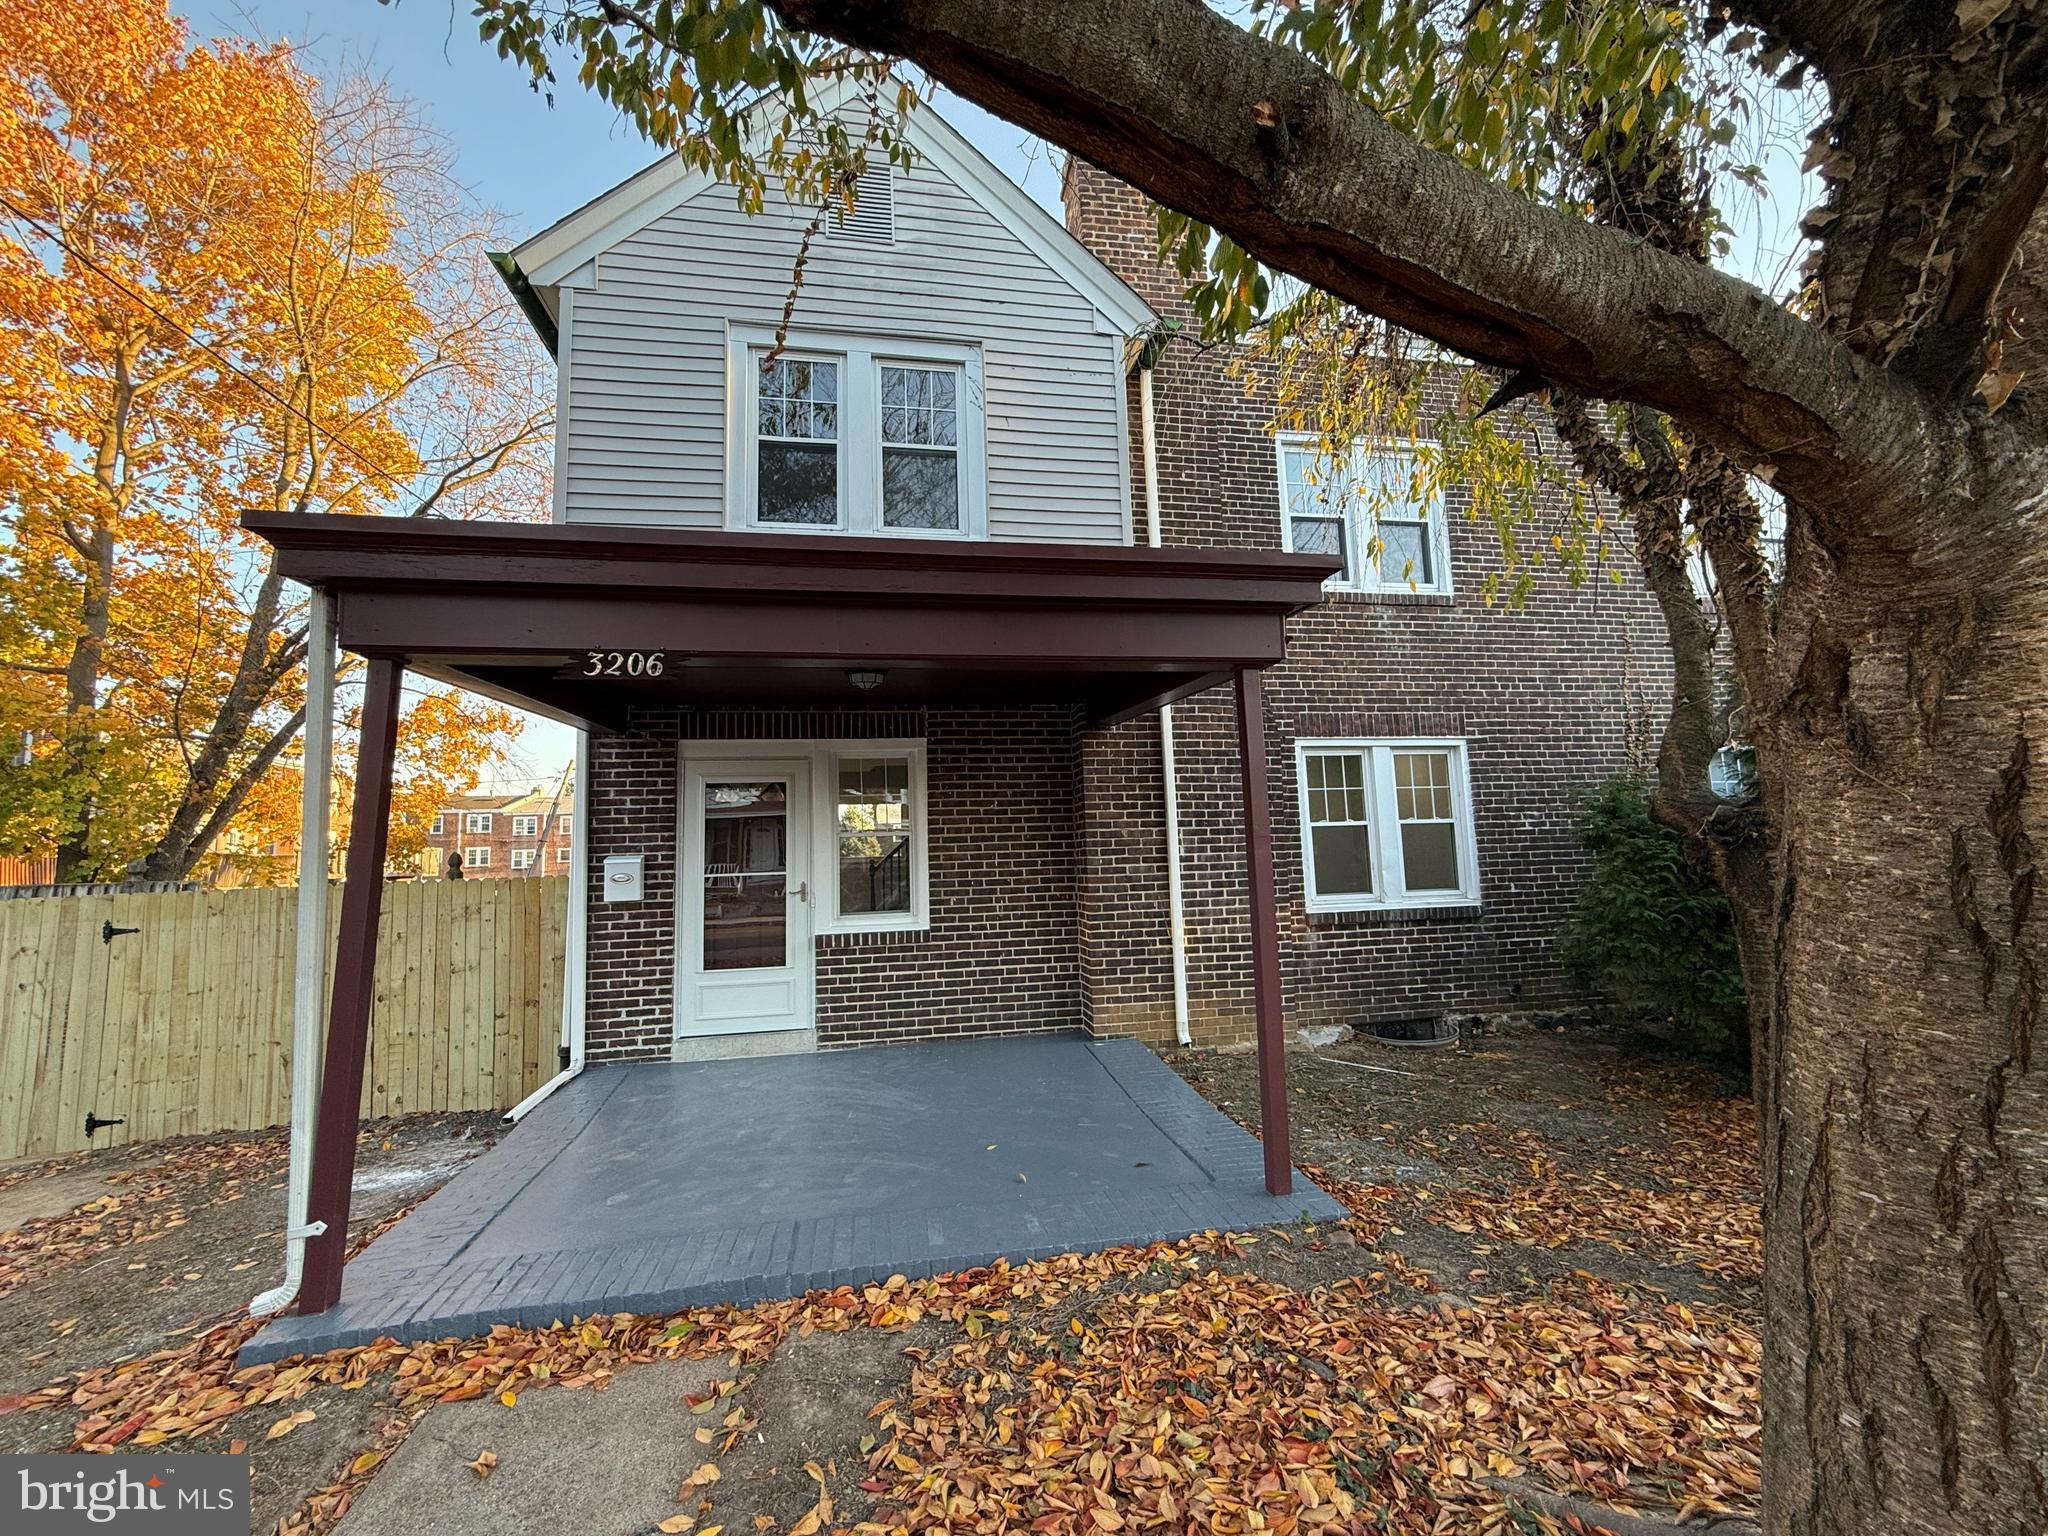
745 950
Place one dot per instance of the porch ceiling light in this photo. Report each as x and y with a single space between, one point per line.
866 682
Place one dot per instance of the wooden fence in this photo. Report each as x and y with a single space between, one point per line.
185 1025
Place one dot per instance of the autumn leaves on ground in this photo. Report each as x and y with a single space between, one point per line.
1542 1309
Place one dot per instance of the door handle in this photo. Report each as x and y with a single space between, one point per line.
803 892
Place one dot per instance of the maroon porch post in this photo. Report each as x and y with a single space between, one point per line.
355 964
1258 859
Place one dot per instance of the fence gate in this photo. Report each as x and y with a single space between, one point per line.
171 1013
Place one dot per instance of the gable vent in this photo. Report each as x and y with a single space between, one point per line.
873 220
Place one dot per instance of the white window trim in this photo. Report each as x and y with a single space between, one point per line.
860 360
823 757
522 858
825 790
437 830
482 861
476 821
562 853
1382 813
530 829
1361 524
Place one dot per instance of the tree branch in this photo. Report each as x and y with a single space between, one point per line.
1259 142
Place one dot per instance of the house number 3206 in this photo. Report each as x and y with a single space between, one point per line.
622 663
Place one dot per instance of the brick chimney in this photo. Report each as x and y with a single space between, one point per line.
1115 221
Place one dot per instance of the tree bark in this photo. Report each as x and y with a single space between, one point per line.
1905 1133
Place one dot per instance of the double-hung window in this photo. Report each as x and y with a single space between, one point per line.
476 858
920 447
1386 824
522 858
525 826
843 434
440 824
1373 508
796 441
477 821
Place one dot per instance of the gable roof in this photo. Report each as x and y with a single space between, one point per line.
540 264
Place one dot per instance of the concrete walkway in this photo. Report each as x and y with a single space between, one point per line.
648 1188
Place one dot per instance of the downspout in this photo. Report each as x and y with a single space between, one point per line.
309 957
1169 777
575 949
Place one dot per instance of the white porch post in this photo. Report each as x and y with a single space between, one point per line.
309 960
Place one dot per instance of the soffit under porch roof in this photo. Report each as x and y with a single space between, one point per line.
514 611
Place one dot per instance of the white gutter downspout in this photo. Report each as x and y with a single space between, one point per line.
1169 778
576 948
309 957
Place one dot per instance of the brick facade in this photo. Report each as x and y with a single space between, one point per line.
1048 875
1546 697
450 834
1001 954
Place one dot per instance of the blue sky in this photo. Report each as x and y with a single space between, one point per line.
535 162
531 161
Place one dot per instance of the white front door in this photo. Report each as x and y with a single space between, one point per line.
745 909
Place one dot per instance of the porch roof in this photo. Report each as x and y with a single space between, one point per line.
514 611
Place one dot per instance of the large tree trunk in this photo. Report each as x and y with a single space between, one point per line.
1905 1137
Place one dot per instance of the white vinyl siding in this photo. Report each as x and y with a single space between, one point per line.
1386 824
645 439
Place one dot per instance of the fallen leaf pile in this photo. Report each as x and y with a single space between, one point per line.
1225 1403
1139 1388
140 1205
1688 1196
1698 1205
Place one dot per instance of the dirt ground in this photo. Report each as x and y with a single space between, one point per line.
156 1243
1506 1193
1508 1161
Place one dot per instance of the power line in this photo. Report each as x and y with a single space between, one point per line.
262 387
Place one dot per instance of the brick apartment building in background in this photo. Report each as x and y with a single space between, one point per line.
496 835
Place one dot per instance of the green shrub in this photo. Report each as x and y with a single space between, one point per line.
1651 933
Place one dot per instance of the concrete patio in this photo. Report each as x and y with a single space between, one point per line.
649 1188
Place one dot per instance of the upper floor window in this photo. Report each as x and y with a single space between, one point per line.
1371 510
477 821
840 434
525 826
439 826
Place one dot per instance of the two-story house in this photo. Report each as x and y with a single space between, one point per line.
956 660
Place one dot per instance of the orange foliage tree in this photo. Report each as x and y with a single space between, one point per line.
223 286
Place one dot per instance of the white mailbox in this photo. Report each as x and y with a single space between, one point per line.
622 876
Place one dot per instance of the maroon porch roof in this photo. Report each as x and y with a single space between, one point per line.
512 610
